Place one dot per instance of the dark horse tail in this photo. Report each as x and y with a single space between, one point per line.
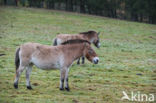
55 42
17 59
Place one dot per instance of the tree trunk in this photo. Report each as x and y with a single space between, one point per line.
52 4
89 11
66 1
71 5
5 2
16 2
82 6
141 17
134 17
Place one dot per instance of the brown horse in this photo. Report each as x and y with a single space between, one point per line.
91 36
52 57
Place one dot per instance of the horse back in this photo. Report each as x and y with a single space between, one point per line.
65 37
39 54
31 48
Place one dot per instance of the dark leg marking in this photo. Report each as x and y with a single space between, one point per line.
83 60
62 86
55 42
29 87
67 86
16 85
78 61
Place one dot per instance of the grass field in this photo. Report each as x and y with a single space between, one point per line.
127 57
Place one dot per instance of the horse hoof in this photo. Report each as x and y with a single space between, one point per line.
61 89
67 89
29 87
15 86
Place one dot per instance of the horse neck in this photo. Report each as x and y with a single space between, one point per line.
75 50
87 37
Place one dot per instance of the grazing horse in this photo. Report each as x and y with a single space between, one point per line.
52 57
91 36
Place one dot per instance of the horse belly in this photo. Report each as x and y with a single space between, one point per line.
45 65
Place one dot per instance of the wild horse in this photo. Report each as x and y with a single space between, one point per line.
52 57
91 36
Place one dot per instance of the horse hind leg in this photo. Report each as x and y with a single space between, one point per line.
62 77
66 80
27 74
18 73
83 59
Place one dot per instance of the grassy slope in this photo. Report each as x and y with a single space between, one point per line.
127 48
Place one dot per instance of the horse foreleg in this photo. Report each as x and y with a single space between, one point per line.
78 61
83 59
62 76
27 74
66 81
18 73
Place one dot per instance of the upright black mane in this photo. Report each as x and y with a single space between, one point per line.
88 32
75 41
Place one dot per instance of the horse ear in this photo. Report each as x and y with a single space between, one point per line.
98 33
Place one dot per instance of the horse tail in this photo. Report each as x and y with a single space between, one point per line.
17 59
55 42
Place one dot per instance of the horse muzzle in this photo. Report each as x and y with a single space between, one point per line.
98 45
95 60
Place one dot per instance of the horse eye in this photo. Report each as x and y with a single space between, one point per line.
96 41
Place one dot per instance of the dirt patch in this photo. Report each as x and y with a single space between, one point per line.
35 84
75 101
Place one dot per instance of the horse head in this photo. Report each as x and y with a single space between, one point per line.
90 54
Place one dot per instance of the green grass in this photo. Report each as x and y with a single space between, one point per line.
127 48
